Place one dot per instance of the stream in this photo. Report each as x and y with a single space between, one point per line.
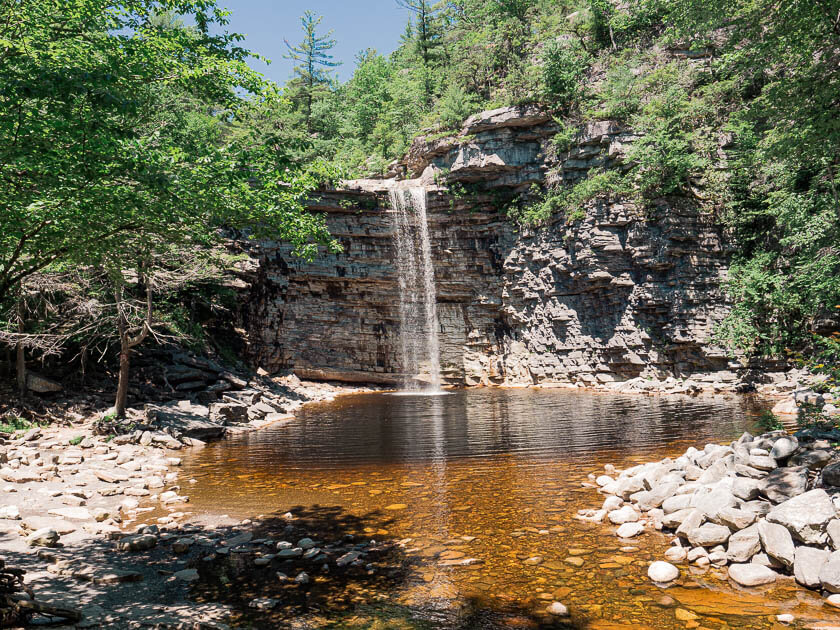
482 486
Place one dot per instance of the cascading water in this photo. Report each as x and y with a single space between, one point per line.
418 298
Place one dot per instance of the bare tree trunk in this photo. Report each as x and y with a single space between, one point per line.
21 354
128 343
125 359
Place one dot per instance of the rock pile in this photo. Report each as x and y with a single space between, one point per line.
761 506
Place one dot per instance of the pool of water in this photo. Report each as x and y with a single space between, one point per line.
495 475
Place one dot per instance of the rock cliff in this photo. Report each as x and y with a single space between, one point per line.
614 296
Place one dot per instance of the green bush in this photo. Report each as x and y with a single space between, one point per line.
563 68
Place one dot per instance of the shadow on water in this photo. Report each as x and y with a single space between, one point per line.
361 594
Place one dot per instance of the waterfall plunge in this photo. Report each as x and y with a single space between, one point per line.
418 298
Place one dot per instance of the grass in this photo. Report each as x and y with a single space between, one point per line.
77 440
11 424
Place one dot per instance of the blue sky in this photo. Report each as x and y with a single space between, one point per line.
358 24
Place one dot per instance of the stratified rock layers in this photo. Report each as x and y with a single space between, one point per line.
613 296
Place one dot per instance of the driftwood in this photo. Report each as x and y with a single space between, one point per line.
18 604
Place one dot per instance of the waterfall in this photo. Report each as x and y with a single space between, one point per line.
418 298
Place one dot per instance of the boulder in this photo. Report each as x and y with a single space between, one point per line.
691 522
138 542
45 537
629 530
831 475
228 412
751 574
746 488
784 448
744 545
805 516
709 535
777 542
814 459
830 573
785 483
807 564
662 572
736 519
677 503
675 519
189 421
833 531
713 502
41 384
623 515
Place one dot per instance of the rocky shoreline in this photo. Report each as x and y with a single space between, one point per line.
757 509
73 497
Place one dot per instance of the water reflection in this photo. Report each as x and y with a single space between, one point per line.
534 424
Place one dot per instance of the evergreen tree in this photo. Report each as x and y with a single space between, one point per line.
313 60
428 39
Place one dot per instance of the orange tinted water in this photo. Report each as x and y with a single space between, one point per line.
496 476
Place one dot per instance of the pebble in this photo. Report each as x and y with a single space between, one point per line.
557 609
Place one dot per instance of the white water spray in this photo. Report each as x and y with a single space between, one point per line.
418 298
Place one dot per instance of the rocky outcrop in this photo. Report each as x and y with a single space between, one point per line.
615 296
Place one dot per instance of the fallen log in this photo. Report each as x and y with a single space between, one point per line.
18 604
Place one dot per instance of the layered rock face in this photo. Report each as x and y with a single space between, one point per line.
611 297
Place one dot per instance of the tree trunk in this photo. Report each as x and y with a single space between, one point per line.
122 385
21 354
127 342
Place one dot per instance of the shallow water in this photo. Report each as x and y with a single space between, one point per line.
496 475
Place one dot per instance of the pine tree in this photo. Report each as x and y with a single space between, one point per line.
314 62
428 38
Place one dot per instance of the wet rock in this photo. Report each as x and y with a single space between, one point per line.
805 516
557 610
751 574
287 554
302 578
45 537
676 554
807 564
347 558
662 572
777 542
629 530
833 600
263 603
623 515
306 543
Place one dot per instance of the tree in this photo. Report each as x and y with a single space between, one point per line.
313 60
115 134
428 39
